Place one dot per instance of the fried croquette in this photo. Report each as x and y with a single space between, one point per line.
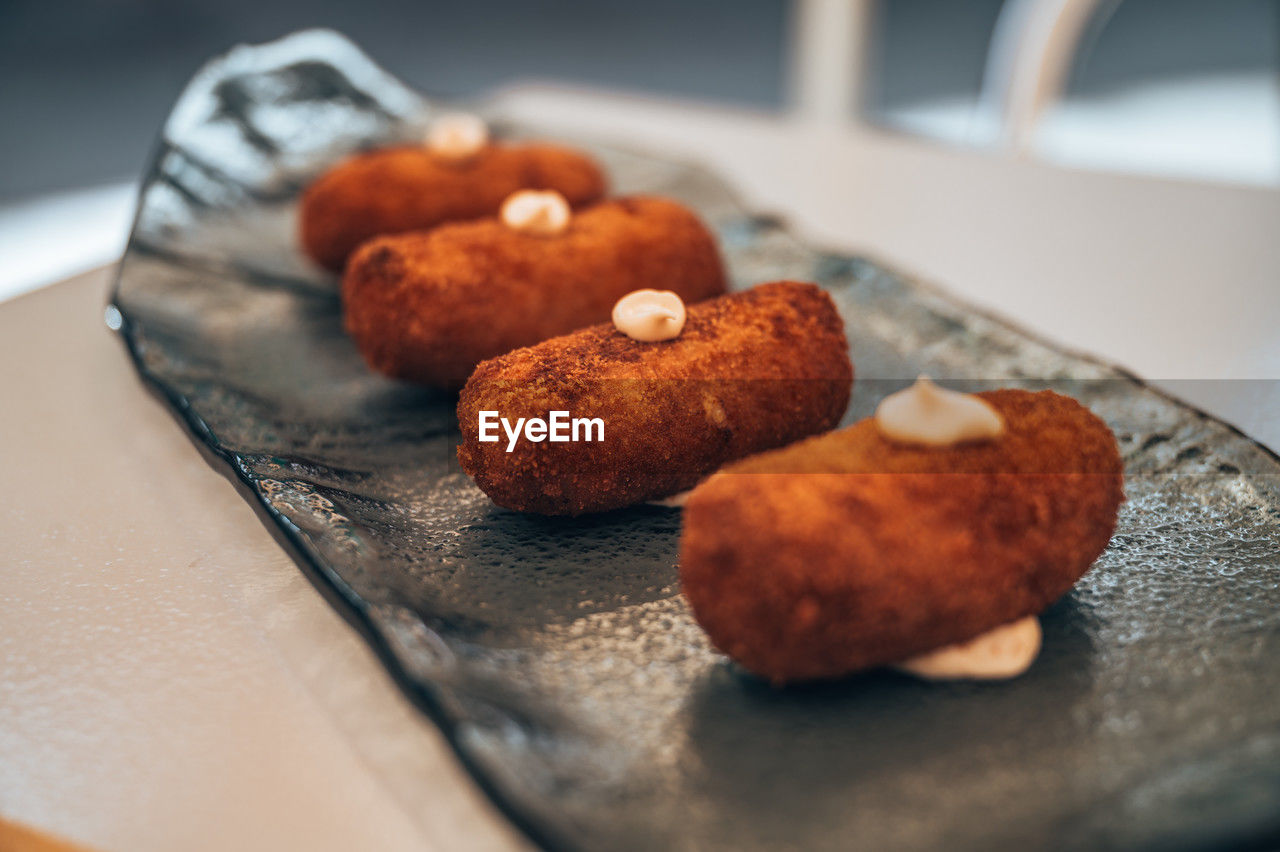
850 551
429 306
750 371
412 188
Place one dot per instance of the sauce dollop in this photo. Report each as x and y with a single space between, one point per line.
927 414
650 315
457 135
538 212
1005 652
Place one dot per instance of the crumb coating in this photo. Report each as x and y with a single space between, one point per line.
849 551
750 371
429 306
410 188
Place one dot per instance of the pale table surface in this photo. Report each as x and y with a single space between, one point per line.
170 680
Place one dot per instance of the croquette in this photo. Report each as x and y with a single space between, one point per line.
428 307
850 551
750 371
412 188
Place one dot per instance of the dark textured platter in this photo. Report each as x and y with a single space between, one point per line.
559 657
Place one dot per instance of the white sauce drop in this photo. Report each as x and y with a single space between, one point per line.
457 135
650 315
1005 652
927 414
538 212
675 501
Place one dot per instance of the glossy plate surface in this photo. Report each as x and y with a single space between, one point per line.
559 656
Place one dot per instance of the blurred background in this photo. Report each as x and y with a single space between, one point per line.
1041 158
1186 88
88 82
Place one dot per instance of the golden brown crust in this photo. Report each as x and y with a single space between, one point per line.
850 551
750 371
410 188
430 306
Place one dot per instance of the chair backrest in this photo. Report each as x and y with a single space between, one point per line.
1029 62
1027 68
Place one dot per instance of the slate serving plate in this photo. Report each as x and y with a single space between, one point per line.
559 657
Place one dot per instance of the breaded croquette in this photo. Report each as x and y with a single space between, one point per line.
412 188
850 550
429 306
749 371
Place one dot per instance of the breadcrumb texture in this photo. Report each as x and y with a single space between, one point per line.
849 551
410 188
750 371
430 306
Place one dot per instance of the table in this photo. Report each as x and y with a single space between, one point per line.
168 677
170 680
